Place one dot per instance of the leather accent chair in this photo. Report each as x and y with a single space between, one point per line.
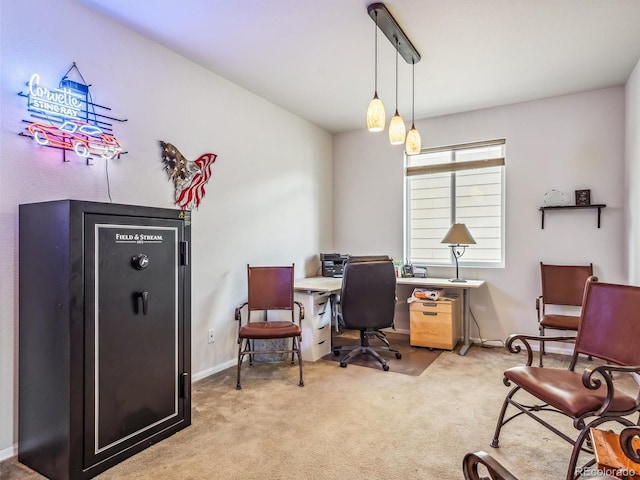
269 289
367 303
562 285
609 330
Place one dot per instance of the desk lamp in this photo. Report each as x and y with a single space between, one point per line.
458 238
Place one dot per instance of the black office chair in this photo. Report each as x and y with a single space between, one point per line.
367 303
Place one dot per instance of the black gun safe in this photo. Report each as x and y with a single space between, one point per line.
104 333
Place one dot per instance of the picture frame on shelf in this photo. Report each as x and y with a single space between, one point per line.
583 198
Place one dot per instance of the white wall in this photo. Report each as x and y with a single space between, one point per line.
632 177
567 143
269 200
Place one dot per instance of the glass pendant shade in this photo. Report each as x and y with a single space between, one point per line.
375 115
397 130
414 143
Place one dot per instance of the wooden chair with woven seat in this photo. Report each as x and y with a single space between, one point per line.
609 330
562 286
269 289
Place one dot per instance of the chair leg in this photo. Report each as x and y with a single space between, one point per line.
240 356
364 348
542 350
383 338
501 421
299 353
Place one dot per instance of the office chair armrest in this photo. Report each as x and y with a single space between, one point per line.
512 347
494 468
300 310
626 438
590 381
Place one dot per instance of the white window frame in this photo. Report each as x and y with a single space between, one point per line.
453 166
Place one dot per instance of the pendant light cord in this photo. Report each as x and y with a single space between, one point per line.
413 91
396 76
375 89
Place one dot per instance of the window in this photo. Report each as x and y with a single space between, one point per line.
455 184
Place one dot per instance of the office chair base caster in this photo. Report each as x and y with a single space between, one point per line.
343 364
385 367
398 355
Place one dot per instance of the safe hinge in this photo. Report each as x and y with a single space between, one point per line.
184 253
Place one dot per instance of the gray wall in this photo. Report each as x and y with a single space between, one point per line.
567 143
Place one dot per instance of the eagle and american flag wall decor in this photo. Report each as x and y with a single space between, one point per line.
189 177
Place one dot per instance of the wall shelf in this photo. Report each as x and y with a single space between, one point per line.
599 206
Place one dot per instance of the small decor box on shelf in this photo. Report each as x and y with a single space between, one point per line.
583 198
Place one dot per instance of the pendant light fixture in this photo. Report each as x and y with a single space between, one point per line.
414 143
375 112
397 130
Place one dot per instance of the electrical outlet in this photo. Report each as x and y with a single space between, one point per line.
211 337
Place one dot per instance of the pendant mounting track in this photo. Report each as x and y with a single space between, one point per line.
388 25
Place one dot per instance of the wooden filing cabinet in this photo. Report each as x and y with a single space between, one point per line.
316 326
435 324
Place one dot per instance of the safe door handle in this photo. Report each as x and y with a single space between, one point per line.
145 301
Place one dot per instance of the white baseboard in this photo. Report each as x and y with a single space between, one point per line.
399 330
559 348
9 452
210 371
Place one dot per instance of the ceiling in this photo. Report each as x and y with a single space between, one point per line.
315 58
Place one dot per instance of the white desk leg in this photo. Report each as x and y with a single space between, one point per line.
466 307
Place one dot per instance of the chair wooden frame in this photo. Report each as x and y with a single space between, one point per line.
562 285
269 289
609 330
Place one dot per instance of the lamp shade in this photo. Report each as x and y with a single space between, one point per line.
375 115
396 130
413 144
458 234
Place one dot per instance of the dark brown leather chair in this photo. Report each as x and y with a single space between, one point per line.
269 289
367 303
609 329
475 464
562 285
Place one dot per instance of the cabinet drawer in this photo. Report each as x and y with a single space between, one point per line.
434 324
322 314
438 306
317 308
316 343
317 351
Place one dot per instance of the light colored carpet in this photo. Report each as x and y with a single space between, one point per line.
355 422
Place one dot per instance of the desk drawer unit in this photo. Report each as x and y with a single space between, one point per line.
434 324
316 326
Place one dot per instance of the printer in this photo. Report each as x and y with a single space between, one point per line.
333 264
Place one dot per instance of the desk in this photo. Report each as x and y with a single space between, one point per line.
329 285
